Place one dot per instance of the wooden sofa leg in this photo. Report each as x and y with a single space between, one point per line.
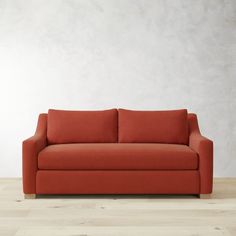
30 196
205 196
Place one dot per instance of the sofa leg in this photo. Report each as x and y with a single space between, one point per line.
205 196
30 196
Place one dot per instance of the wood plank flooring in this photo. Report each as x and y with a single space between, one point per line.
117 215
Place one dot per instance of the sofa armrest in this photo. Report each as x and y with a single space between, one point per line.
204 147
30 149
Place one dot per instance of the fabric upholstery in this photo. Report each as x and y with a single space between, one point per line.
122 156
204 148
30 149
82 126
153 126
117 182
72 157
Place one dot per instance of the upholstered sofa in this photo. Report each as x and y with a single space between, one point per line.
117 151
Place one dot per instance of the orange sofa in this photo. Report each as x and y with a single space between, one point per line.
117 152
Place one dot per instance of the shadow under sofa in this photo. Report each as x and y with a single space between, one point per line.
117 151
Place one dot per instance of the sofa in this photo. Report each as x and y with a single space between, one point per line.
117 151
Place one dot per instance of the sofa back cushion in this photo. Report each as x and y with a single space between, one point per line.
82 126
153 126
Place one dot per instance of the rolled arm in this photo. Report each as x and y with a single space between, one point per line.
204 147
30 149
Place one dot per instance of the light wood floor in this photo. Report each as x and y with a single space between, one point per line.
117 215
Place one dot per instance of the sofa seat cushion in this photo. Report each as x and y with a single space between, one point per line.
119 156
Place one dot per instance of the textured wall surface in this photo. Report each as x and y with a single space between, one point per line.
98 54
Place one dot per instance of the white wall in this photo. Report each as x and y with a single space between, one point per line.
97 54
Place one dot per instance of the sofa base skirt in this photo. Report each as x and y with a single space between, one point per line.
117 182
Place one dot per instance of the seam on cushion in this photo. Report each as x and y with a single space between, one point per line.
118 126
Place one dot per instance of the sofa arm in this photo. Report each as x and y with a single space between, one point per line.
204 148
30 149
